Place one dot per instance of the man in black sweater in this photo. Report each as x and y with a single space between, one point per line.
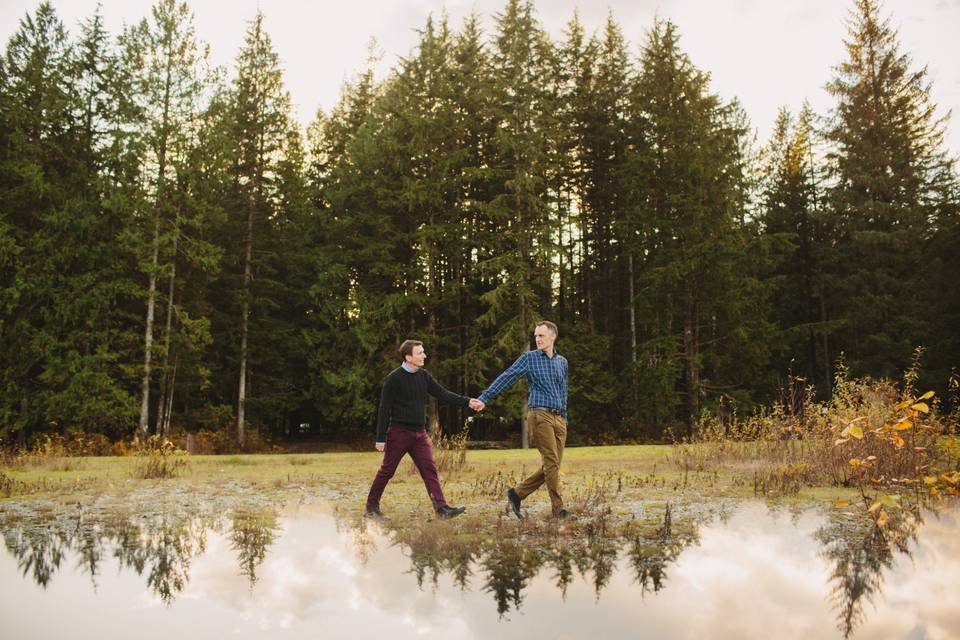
401 427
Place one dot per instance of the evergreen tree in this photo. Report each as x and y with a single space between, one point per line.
794 225
890 176
260 133
519 236
62 344
696 279
163 61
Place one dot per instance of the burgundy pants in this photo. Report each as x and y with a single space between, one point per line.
401 441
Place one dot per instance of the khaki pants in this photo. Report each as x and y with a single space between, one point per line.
549 434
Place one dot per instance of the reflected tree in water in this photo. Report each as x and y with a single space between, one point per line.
858 553
160 547
508 568
507 565
39 551
649 554
460 565
560 557
252 531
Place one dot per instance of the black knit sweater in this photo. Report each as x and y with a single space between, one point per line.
404 396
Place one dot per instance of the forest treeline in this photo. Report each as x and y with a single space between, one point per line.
177 254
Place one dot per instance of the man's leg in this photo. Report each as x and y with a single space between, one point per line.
422 454
396 446
542 435
552 472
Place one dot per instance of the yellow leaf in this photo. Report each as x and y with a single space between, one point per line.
876 505
840 503
902 426
890 500
854 462
882 519
903 405
854 430
926 396
930 479
921 407
897 441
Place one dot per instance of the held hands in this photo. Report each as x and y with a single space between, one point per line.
476 405
380 446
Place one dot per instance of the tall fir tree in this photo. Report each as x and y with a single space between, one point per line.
889 171
794 224
696 279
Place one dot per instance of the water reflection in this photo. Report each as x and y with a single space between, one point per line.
507 565
858 553
159 546
676 573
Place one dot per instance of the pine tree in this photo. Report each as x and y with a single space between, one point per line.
62 337
163 60
888 170
701 291
258 122
794 225
519 238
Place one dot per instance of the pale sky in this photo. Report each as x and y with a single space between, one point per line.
766 53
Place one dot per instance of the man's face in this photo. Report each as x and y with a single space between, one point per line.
418 357
544 338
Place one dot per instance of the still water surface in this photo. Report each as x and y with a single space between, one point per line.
301 573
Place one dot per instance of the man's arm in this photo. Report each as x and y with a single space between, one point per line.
506 379
564 393
435 389
383 413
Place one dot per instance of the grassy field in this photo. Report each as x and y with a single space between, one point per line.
610 487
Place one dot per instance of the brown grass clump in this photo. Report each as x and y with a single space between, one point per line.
157 458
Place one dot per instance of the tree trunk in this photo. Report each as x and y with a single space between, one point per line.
162 417
827 377
144 426
691 370
633 328
169 409
245 326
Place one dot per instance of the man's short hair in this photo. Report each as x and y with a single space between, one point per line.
406 349
549 325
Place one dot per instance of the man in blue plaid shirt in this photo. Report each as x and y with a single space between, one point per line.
547 374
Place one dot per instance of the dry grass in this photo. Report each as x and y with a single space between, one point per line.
158 459
871 432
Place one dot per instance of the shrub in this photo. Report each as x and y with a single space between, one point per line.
869 433
157 458
451 452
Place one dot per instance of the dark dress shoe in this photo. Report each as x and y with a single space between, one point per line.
448 512
514 498
373 513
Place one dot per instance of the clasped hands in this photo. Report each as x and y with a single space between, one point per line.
477 405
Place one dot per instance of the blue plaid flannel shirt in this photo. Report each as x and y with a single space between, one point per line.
546 378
